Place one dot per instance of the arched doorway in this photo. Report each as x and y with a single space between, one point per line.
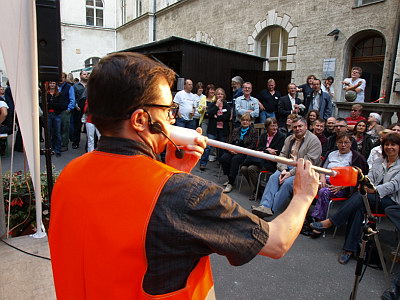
368 52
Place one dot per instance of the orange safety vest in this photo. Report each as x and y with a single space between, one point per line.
101 206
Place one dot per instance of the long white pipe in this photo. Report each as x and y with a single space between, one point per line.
184 136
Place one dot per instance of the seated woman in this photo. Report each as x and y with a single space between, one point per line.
270 142
219 113
386 178
243 136
287 130
337 158
376 152
363 140
311 117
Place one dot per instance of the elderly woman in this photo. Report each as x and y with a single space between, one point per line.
243 136
270 142
363 140
374 128
385 175
342 157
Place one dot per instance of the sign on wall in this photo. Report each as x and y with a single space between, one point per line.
329 66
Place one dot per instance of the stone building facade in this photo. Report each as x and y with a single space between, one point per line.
246 26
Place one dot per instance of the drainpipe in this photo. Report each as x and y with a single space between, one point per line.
154 19
393 57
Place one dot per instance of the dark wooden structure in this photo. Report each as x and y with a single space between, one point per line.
206 63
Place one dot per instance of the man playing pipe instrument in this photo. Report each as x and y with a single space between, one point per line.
168 221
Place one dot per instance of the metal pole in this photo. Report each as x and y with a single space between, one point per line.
47 147
2 210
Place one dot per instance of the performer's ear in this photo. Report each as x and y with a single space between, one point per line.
139 120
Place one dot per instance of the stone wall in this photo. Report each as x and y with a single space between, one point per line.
238 25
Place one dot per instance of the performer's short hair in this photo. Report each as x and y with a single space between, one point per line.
121 83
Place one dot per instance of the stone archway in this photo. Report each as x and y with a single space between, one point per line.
273 19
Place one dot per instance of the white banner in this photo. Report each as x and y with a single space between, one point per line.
19 47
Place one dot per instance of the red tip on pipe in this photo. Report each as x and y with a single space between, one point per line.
346 176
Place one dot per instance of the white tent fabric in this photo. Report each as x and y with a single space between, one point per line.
19 47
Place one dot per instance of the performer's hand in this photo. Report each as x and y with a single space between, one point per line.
284 175
335 189
369 191
191 156
305 184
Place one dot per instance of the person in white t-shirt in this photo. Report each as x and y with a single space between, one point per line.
187 105
355 83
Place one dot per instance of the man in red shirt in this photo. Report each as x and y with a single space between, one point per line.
355 116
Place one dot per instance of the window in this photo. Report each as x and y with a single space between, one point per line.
123 11
274 46
94 13
91 61
371 46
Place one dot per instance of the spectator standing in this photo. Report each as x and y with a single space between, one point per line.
320 101
55 104
355 116
288 104
67 92
187 105
355 83
307 90
237 91
328 88
219 113
246 104
80 100
200 105
269 99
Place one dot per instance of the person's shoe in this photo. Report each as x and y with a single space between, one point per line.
212 158
344 258
202 168
75 146
262 211
252 197
63 149
314 234
318 226
225 183
228 188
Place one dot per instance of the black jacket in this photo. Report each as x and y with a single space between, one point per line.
285 109
269 101
212 110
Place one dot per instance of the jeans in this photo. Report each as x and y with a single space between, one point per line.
265 115
76 138
55 131
65 125
393 213
277 197
90 131
219 137
353 211
181 122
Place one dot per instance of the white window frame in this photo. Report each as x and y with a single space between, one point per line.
138 8
278 58
95 8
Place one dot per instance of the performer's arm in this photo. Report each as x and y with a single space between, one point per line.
284 230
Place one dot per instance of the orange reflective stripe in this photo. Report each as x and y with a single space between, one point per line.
101 206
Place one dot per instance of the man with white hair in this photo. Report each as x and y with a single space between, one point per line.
374 127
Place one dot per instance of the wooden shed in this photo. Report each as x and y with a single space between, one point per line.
207 63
